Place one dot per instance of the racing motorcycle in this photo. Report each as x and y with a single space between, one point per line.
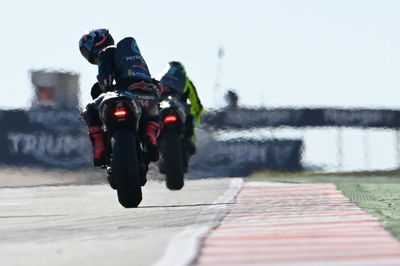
128 161
173 155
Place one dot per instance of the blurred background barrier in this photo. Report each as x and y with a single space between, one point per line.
247 118
232 141
241 157
51 132
43 137
333 139
49 137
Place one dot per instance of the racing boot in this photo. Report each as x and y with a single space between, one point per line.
96 136
150 140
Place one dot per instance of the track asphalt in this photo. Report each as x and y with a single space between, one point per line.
261 221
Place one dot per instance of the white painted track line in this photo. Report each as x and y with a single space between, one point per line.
183 248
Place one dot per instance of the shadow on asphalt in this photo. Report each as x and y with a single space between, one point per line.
185 205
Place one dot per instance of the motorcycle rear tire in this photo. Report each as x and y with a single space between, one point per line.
172 153
125 168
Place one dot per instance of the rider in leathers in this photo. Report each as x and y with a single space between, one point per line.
125 65
174 81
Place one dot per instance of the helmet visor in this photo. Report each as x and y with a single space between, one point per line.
87 52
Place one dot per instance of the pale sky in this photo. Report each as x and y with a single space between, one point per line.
277 53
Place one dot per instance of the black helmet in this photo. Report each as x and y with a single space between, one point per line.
93 42
178 65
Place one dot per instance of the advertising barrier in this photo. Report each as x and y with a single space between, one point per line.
44 137
246 118
57 138
241 157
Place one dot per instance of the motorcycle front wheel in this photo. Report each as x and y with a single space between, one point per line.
125 168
